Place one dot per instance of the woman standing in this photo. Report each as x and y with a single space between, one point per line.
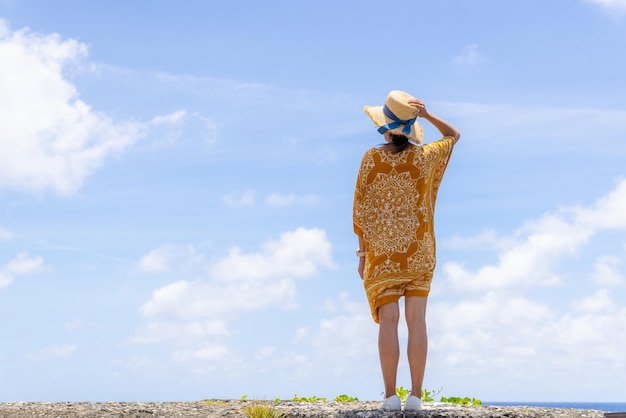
394 204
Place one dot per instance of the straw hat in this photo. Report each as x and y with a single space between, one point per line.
396 116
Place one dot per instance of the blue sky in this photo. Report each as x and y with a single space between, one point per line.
176 186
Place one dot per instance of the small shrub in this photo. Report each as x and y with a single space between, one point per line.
426 396
402 393
461 401
261 411
297 398
429 396
346 398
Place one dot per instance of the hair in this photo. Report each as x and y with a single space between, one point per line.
398 143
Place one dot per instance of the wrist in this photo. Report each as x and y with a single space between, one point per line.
360 253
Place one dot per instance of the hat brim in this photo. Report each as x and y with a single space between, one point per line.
379 118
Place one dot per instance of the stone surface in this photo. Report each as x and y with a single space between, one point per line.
235 408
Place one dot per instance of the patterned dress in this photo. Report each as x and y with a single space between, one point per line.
394 204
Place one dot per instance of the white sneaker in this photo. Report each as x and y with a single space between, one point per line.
392 403
413 403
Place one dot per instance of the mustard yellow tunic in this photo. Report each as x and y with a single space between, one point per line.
394 204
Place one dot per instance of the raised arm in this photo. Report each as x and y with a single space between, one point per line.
444 127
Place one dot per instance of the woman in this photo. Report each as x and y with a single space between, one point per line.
394 203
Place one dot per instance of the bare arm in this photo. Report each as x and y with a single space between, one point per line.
444 127
361 259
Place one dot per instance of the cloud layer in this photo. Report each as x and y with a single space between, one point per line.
234 284
51 139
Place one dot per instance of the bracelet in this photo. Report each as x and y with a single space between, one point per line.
360 253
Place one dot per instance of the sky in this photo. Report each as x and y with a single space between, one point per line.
176 185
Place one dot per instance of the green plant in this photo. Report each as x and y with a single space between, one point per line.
402 393
429 396
261 411
461 401
244 397
345 398
297 398
426 396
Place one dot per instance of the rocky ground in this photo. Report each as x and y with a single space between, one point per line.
286 409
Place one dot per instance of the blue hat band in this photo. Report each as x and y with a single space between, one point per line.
397 122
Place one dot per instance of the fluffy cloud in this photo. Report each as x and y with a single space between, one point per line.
186 300
237 283
50 138
505 332
163 258
606 271
22 264
542 244
296 254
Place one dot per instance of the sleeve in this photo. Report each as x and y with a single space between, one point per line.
359 190
443 148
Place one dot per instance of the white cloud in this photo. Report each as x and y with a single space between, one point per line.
238 283
161 259
188 301
607 213
505 332
181 126
345 343
22 264
598 302
50 138
614 8
240 199
296 254
544 243
279 200
606 271
469 56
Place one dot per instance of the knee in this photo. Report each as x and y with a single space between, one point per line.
389 315
416 321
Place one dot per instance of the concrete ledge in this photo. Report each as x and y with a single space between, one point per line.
287 409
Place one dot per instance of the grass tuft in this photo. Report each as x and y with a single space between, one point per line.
262 411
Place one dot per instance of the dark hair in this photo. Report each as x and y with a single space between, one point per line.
398 143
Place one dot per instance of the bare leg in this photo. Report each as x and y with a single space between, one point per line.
388 345
415 311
